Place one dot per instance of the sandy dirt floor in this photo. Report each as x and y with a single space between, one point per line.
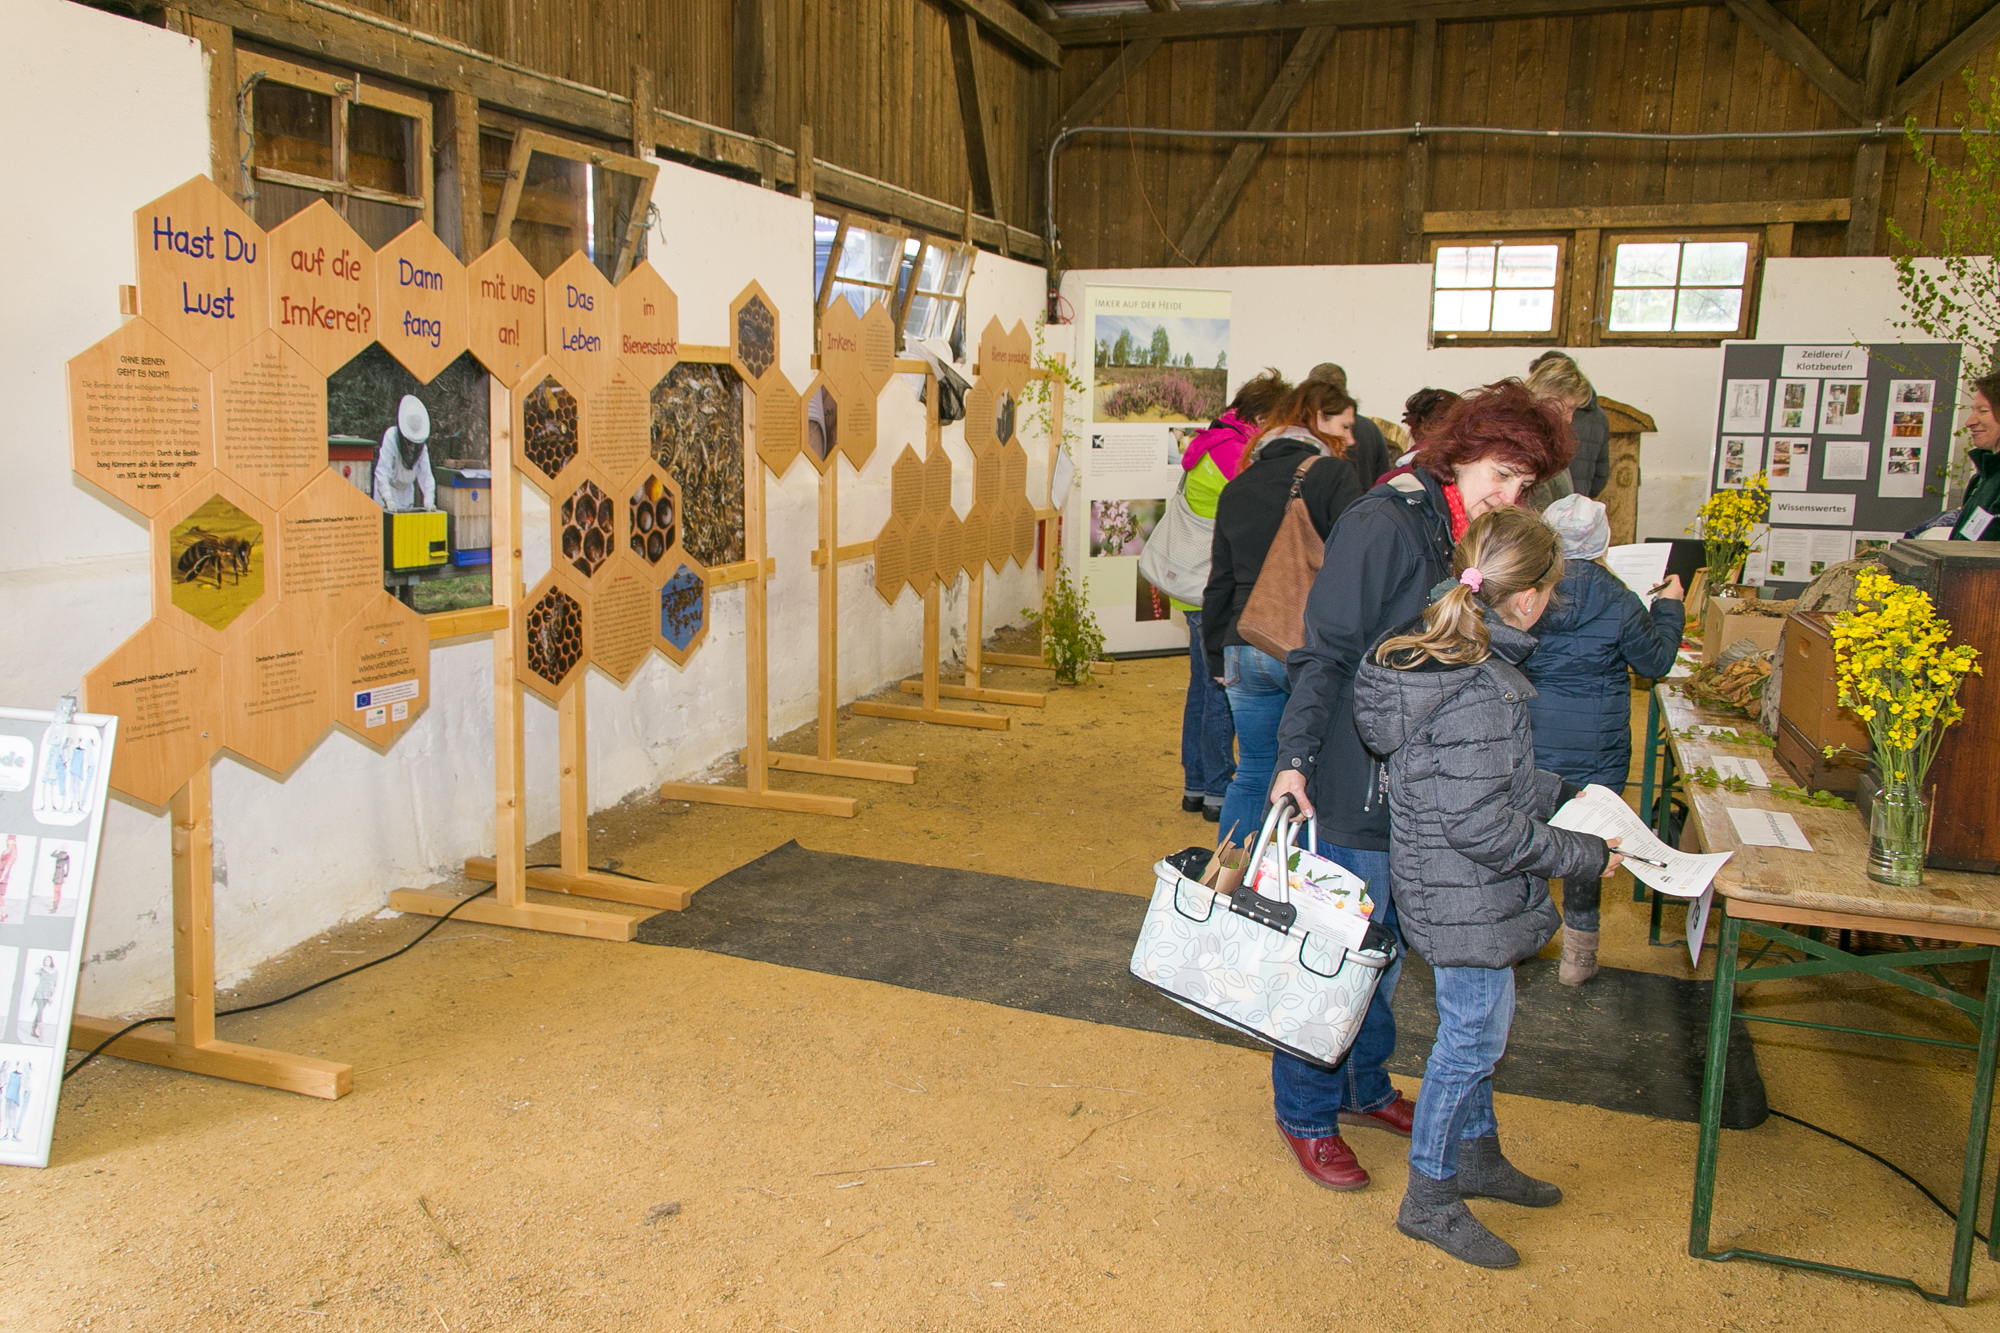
556 1133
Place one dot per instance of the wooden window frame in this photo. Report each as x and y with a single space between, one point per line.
344 91
925 244
889 290
1557 332
1753 271
528 142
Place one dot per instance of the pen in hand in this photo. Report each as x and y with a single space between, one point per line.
1646 861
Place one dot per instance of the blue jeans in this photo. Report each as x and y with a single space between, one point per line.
1475 1010
1208 736
1309 1099
1258 690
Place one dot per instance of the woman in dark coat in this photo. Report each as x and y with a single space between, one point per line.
1386 552
1595 629
1309 426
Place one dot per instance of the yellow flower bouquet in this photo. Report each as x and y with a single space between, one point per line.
1900 674
1727 521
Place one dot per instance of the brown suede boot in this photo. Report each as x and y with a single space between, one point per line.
1579 960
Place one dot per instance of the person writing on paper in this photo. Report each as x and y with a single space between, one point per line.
1444 700
1389 548
1593 631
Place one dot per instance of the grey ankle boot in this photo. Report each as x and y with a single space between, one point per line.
1484 1174
1434 1213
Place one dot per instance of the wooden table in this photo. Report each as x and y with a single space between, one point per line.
1793 899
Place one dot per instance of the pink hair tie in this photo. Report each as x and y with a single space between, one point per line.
1472 578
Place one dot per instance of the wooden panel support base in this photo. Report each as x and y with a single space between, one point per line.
837 768
795 802
524 916
589 884
218 1059
979 694
942 716
1037 664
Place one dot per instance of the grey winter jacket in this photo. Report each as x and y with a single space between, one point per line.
1470 855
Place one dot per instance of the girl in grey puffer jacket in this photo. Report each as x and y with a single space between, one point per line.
1444 701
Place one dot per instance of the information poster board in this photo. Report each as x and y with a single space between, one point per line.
53 779
1855 440
1155 374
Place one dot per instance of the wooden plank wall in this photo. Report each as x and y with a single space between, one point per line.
1122 202
872 77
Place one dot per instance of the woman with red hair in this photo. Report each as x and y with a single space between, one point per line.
1387 552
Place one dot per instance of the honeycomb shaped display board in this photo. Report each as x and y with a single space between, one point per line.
581 309
550 629
650 521
503 295
548 426
204 271
849 381
270 419
622 616
214 550
277 686
779 422
422 291
649 324
683 605
584 524
323 288
753 334
698 439
382 672
892 559
141 425
167 690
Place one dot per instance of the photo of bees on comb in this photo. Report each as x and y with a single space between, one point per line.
586 519
548 428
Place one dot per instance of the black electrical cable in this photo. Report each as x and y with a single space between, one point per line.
1921 1187
266 1004
595 870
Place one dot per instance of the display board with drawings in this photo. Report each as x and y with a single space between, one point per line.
1855 441
53 777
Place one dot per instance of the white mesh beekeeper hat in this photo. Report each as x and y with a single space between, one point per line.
1583 524
413 420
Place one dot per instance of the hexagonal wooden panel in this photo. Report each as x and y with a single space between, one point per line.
892 559
381 671
649 517
975 538
979 415
649 324
780 422
331 535
923 553
937 482
683 608
878 348
753 334
906 486
581 308
1021 533
504 324
167 692
1006 357
988 475
323 288
270 419
548 427
277 685
858 427
551 643
139 413
840 345
421 287
622 618
215 557
618 425
826 419
583 525
204 270
1013 473
950 547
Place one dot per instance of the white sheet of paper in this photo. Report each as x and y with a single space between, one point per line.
1743 404
1642 566
1732 766
1826 359
1902 470
1795 406
1768 828
1737 458
1842 404
1060 479
1873 543
1818 509
1911 393
1602 811
1697 923
1847 460
1786 552
1790 467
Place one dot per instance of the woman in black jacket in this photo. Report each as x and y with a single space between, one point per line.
1308 429
1386 553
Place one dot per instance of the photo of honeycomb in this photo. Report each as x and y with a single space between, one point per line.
651 509
586 520
548 427
555 636
756 336
698 441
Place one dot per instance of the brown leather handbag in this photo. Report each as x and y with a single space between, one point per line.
1274 619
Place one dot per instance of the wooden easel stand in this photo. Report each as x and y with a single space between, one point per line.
929 711
975 666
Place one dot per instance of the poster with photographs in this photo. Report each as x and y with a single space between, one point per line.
47 867
1902 469
1841 405
1156 373
1743 405
1795 406
423 454
1791 463
1740 457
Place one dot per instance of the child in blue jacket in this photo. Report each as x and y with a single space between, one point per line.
1594 629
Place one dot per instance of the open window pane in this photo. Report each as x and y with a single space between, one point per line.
567 205
1709 310
869 256
824 231
1526 266
382 151
1642 310
1715 263
923 312
859 295
1462 311
1523 311
1647 265
293 129
1464 266
956 273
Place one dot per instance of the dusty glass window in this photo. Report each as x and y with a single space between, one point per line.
1693 287
557 197
314 135
1496 290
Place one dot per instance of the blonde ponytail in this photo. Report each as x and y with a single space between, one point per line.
1505 552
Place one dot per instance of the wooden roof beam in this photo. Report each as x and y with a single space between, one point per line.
1271 113
1014 28
1953 56
973 114
1253 20
1803 54
1107 85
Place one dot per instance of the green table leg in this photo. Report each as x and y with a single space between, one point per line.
1648 764
1975 1142
1720 1014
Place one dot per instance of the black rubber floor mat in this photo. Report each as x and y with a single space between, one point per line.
1628 1041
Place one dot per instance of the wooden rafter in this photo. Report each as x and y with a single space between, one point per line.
972 112
1888 50
1014 28
1952 57
1802 53
1252 20
1107 85
1417 156
1271 113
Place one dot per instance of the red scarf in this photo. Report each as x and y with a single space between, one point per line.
1459 522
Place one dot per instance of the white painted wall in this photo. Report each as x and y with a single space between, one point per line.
111 113
1374 320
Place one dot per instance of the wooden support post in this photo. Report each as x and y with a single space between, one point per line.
754 91
973 689
928 686
573 791
1581 307
974 116
190 1045
975 622
1417 154
804 175
458 208
643 141
1888 47
225 140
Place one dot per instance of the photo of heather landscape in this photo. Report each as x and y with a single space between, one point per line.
1160 369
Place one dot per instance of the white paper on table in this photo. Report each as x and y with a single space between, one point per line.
1732 766
1602 811
1642 566
1697 923
1768 828
1847 460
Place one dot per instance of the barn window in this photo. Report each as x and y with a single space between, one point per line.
363 149
1675 287
1496 290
